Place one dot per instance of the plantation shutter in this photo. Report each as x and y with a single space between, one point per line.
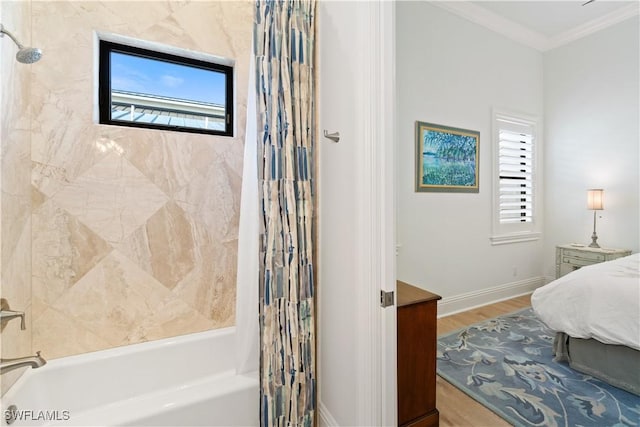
515 160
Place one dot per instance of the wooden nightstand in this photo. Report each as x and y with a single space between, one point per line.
572 257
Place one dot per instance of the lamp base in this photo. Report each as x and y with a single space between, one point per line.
594 236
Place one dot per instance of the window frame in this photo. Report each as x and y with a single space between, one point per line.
504 233
106 47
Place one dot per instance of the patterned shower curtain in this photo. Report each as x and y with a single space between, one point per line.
284 42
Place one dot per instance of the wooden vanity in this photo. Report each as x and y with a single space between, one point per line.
416 322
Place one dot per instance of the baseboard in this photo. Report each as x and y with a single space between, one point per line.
455 304
325 419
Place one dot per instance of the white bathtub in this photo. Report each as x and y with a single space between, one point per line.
182 381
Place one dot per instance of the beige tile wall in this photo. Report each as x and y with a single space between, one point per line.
134 231
15 192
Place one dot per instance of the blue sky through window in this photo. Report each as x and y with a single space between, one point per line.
153 77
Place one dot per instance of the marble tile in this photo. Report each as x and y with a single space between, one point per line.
112 198
37 198
210 287
38 307
218 27
62 98
16 342
15 196
15 273
213 198
16 293
15 192
16 88
112 298
171 318
124 15
58 335
64 250
164 247
168 202
169 159
60 154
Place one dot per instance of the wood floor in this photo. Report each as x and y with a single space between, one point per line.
456 408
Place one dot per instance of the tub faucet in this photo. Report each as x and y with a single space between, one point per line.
7 365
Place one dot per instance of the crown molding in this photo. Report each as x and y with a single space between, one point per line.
594 25
494 22
521 34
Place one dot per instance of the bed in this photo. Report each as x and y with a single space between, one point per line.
595 312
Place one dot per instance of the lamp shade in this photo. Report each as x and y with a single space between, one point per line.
595 199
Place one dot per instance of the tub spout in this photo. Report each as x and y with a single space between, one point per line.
7 365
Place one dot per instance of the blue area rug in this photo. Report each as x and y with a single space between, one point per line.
507 365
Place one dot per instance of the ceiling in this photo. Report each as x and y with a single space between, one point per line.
544 25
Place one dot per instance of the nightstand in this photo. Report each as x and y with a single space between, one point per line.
573 256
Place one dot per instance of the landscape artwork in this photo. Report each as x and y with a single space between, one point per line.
446 158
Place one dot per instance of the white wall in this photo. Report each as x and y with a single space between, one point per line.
591 97
339 202
356 337
452 72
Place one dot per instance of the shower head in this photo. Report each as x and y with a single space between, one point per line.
29 55
25 55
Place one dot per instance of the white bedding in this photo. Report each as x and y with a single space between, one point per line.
600 301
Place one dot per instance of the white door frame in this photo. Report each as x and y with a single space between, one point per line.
377 379
369 40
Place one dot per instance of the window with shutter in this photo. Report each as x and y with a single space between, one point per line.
515 183
516 173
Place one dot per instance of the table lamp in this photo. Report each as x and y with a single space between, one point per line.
595 203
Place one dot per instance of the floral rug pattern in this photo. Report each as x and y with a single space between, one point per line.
507 364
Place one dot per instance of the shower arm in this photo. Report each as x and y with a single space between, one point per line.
11 36
25 55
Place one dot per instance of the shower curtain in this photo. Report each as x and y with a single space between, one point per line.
283 42
247 321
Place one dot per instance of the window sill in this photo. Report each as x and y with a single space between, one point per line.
504 239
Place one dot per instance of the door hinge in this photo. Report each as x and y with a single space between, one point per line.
386 299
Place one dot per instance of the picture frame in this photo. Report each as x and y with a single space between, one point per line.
447 159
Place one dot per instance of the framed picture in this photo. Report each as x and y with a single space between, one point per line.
446 159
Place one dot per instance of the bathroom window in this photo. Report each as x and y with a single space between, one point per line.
149 89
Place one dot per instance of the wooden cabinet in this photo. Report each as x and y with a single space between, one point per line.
417 345
572 257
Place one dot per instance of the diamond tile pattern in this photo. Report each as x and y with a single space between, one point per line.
164 246
64 250
134 230
113 198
